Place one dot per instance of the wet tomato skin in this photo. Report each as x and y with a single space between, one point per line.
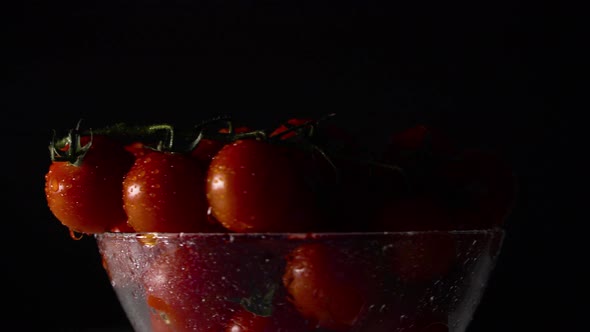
207 148
181 297
325 286
86 196
256 186
164 192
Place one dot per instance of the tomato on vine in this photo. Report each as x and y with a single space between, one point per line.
207 148
258 186
84 182
164 191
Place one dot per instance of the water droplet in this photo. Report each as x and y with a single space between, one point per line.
54 185
76 235
148 240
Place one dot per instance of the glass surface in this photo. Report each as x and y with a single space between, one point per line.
373 282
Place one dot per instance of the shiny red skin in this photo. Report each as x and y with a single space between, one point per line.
180 295
257 186
326 287
165 192
86 198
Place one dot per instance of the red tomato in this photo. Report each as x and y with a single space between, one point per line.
165 192
84 190
122 228
296 125
479 187
181 295
207 148
136 148
325 286
257 186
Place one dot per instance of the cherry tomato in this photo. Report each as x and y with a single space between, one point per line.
297 126
325 286
181 296
165 192
257 186
207 148
84 192
137 149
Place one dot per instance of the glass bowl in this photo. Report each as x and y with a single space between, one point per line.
373 282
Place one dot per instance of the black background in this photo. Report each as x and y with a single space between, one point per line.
494 74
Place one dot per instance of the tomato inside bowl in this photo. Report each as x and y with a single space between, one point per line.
297 282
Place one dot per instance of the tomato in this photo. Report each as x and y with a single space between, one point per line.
181 295
325 286
165 192
296 126
83 188
257 186
479 187
207 148
137 148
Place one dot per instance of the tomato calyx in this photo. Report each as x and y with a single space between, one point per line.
70 148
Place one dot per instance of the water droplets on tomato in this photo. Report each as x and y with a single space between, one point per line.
133 190
76 235
55 185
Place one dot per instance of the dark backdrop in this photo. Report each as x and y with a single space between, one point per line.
491 73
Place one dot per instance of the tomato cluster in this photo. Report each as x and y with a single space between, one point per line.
304 176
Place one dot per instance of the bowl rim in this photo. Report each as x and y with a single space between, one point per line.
299 235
